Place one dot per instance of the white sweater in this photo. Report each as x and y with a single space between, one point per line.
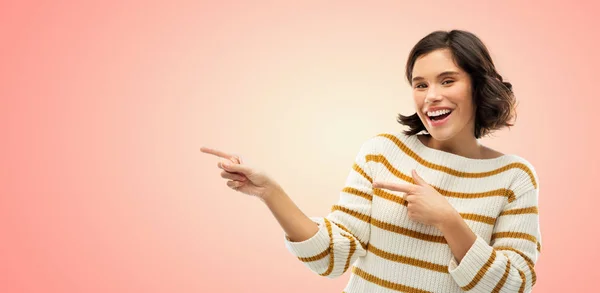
369 228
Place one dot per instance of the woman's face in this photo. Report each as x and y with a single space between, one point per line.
443 96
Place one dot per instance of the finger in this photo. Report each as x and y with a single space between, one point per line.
232 176
236 159
409 198
222 162
408 188
217 153
234 184
237 168
418 180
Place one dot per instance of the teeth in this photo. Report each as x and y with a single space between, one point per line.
438 113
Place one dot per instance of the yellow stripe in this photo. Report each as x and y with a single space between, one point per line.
521 273
503 279
358 169
497 192
330 268
408 260
454 172
360 216
478 218
518 235
407 232
384 283
528 210
357 192
523 280
525 257
316 257
351 252
364 245
467 216
539 247
389 196
481 272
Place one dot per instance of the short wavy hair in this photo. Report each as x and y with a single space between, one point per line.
493 98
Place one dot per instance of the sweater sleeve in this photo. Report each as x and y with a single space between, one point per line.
507 263
344 233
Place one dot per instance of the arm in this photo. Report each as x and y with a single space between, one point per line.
508 261
329 245
297 226
458 234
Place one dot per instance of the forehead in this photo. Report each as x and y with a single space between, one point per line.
435 62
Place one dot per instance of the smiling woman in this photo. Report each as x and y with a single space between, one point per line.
433 212
471 222
457 66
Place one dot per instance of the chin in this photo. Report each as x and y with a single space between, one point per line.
444 132
441 135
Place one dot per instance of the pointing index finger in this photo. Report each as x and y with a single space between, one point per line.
219 153
407 188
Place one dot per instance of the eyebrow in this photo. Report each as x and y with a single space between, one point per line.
445 73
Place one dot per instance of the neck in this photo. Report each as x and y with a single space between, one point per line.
463 145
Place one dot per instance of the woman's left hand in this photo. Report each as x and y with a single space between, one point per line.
425 204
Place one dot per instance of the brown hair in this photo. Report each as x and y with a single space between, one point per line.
493 98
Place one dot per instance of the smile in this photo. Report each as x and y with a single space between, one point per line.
438 118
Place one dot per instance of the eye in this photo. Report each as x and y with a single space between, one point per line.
420 86
447 81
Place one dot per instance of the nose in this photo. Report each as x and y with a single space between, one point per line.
432 95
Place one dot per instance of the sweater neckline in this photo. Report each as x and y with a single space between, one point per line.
428 151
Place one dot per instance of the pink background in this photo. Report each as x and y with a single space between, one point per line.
104 105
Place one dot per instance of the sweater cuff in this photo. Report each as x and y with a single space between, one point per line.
472 263
315 245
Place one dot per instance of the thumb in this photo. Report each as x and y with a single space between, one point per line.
418 180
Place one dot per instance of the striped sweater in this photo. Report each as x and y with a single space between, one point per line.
368 230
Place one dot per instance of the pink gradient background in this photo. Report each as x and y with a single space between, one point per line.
104 106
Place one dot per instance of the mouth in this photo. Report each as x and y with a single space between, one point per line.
439 117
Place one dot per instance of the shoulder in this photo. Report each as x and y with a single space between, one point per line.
385 138
383 143
526 177
388 143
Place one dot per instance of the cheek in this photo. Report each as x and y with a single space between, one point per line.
418 99
467 110
462 97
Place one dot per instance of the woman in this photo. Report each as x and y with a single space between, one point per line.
429 209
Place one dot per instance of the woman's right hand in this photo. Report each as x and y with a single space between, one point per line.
244 178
